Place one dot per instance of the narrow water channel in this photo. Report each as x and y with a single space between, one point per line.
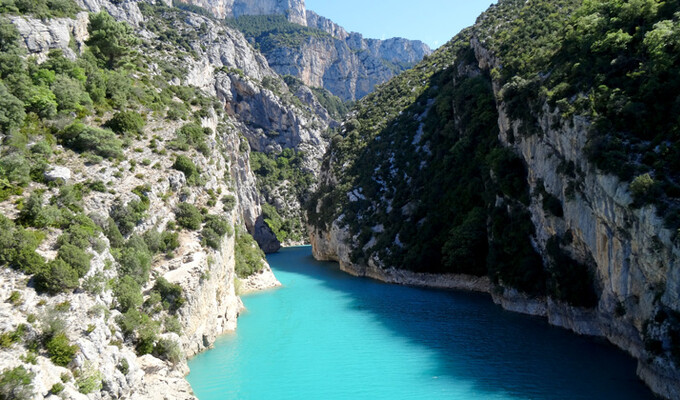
327 335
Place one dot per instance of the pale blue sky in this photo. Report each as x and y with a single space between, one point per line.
432 21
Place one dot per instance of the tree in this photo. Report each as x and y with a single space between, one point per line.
11 111
110 40
57 277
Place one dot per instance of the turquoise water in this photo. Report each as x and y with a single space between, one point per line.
327 335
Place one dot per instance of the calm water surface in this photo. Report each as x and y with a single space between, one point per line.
327 335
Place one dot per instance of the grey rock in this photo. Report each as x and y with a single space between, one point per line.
265 237
56 173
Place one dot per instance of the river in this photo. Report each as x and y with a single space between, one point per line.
327 335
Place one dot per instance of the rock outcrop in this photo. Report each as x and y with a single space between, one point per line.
294 10
346 64
627 248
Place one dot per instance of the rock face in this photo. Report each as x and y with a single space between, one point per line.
247 115
346 64
632 256
294 10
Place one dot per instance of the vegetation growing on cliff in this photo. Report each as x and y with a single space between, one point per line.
269 32
615 62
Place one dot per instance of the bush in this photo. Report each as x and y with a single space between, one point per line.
57 277
89 381
127 217
229 202
76 257
16 384
99 141
169 350
17 248
57 388
188 216
642 187
127 122
215 229
128 294
184 164
171 294
60 350
161 242
135 260
249 257
11 111
193 135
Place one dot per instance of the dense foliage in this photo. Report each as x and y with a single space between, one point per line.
423 182
613 61
270 32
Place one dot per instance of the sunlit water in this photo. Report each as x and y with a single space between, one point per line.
327 335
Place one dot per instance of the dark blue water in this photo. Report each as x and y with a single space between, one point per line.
327 335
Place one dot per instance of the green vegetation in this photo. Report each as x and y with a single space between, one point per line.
16 384
60 350
171 294
110 41
185 165
420 168
249 257
43 9
214 230
270 32
191 135
271 171
89 380
614 62
333 104
188 216
127 123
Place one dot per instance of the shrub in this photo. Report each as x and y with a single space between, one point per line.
83 138
76 257
248 254
16 384
15 168
169 350
57 388
128 294
185 165
193 135
11 111
172 325
126 122
60 350
57 277
161 242
188 216
127 216
89 381
229 202
642 187
135 260
171 294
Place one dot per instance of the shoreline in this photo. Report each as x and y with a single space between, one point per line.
587 322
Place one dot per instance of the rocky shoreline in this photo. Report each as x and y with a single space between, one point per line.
591 322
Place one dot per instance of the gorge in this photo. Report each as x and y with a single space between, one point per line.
153 150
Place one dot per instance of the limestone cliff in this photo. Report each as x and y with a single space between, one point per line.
559 236
322 53
244 106
294 10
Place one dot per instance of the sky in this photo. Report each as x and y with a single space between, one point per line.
434 22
